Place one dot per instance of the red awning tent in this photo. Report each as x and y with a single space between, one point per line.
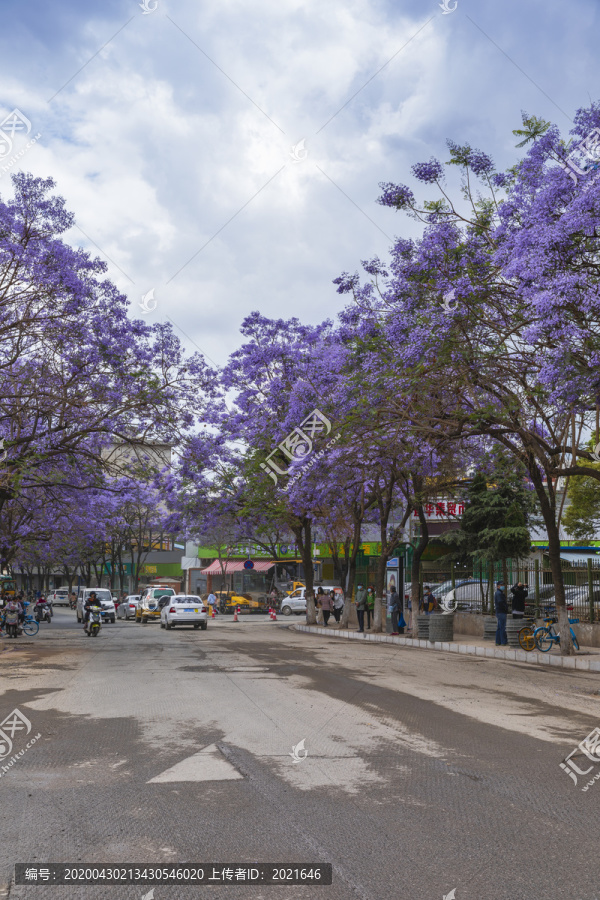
237 565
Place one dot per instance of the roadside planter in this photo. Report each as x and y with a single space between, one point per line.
423 626
441 627
489 628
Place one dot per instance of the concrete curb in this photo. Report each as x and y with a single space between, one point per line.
566 662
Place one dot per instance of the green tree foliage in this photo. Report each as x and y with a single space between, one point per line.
494 525
582 516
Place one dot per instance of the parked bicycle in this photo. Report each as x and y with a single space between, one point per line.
546 637
540 612
533 636
526 637
29 625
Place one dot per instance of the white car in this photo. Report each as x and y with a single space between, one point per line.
465 596
183 609
294 602
105 600
126 609
59 597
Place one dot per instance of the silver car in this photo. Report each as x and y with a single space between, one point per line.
294 603
183 609
126 609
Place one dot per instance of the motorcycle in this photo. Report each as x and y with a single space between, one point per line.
11 622
43 613
94 623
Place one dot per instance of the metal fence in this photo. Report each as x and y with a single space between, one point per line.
474 588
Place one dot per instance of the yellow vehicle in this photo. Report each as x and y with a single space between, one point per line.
244 601
7 585
149 606
295 586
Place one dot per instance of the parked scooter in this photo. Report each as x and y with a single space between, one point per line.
94 623
11 622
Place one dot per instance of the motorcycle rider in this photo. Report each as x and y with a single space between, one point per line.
90 601
40 609
13 606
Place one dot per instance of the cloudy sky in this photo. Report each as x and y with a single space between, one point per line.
227 155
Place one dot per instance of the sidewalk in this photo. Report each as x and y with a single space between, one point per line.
587 659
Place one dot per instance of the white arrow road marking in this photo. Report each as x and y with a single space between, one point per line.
207 765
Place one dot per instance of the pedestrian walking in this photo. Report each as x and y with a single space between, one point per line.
519 593
370 607
361 604
318 607
338 604
395 606
326 606
501 607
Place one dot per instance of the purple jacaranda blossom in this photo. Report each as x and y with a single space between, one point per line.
77 374
428 172
396 195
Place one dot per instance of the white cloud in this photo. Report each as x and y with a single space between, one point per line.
156 149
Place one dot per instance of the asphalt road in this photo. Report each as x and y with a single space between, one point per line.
424 771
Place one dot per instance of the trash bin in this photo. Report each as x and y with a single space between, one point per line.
441 627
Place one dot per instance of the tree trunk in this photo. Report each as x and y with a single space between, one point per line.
566 644
346 611
415 569
379 589
548 512
303 535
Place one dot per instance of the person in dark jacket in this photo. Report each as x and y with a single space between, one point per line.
429 601
519 593
395 606
361 605
501 607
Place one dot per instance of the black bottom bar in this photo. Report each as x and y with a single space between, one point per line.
185 873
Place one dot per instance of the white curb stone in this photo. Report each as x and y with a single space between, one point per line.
564 662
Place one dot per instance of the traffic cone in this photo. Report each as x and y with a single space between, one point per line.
213 613
235 615
273 615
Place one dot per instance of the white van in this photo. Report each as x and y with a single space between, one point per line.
104 597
